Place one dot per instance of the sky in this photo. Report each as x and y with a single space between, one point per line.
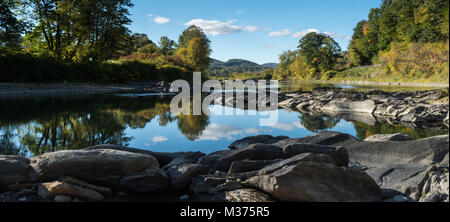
255 30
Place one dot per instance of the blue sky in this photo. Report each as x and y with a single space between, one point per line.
256 30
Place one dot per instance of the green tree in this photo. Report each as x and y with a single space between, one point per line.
10 27
320 51
85 30
167 46
191 33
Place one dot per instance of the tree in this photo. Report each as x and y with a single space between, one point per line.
85 30
194 48
191 33
10 27
167 46
286 59
320 51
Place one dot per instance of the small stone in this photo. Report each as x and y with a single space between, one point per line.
184 197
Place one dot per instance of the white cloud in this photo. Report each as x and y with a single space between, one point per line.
216 27
216 132
251 28
159 139
240 12
282 126
304 32
161 20
285 32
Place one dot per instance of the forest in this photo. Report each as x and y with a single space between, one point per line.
88 41
402 40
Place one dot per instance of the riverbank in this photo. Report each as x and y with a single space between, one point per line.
325 167
49 89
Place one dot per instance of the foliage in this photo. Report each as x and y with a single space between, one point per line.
417 60
320 51
167 46
228 69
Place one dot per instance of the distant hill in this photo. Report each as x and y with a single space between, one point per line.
219 68
270 65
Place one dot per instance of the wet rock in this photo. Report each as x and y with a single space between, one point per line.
51 189
316 182
80 164
153 180
389 137
247 196
13 169
182 174
265 139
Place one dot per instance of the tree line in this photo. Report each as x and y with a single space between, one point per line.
59 39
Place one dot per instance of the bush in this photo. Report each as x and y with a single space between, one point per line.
24 68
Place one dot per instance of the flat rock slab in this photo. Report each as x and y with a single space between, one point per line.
89 164
316 182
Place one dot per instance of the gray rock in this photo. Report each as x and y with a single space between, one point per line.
80 164
389 137
339 154
304 157
347 105
326 138
163 158
397 199
249 165
436 188
204 183
252 152
154 180
62 199
316 182
13 169
264 139
182 174
247 196
52 189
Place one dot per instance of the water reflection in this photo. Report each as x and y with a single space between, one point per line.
34 126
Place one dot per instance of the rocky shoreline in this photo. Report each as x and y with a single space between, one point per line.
325 167
420 108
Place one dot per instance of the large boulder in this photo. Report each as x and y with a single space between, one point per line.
265 139
400 165
347 105
317 182
90 164
435 188
163 158
182 174
13 169
326 138
249 165
152 180
52 189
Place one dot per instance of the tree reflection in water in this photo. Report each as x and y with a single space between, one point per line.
35 126
53 124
